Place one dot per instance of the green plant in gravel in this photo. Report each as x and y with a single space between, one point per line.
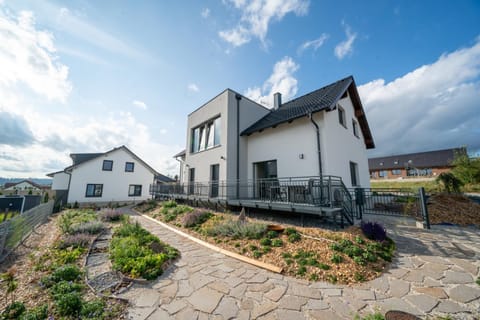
69 304
37 313
353 251
195 218
294 237
75 241
336 258
237 230
286 255
332 278
265 242
169 217
93 309
71 218
323 266
257 254
359 260
90 227
277 243
359 277
290 231
169 204
68 256
288 261
373 316
301 270
266 249
13 311
359 240
272 234
252 247
134 251
478 281
313 277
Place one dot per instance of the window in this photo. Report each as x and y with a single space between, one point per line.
107 165
354 173
206 136
135 190
383 174
214 177
191 181
396 172
129 166
94 190
355 128
341 116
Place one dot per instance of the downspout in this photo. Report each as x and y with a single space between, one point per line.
319 152
69 180
238 97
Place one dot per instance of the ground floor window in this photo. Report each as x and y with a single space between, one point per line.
94 190
135 190
396 172
383 174
354 173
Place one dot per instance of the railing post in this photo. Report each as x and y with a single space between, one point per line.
330 191
423 204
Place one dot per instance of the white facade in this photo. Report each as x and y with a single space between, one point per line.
23 185
88 182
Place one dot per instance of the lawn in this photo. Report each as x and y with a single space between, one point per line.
348 256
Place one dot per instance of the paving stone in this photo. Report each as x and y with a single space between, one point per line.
414 276
398 273
448 306
199 280
243 315
162 283
331 292
247 304
292 302
147 298
272 315
227 308
304 291
342 308
219 274
434 292
429 282
262 309
257 296
464 294
465 265
180 274
238 291
184 289
423 302
260 287
225 268
399 288
381 284
289 314
137 313
219 286
364 294
396 304
316 304
233 281
187 314
258 278
205 299
169 291
175 306
324 314
457 278
276 293
159 314
433 259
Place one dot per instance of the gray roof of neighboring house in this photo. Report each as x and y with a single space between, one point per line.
181 153
82 157
428 159
163 178
324 98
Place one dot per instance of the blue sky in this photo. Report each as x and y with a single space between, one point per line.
88 76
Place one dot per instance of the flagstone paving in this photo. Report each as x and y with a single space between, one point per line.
433 273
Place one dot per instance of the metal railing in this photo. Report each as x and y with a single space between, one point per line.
16 229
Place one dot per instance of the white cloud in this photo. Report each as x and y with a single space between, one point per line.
314 44
345 47
435 106
256 16
281 80
139 104
192 87
27 56
205 13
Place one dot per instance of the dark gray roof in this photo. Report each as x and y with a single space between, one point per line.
322 99
163 178
181 153
428 159
82 157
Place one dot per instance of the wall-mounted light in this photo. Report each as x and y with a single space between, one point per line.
223 158
301 156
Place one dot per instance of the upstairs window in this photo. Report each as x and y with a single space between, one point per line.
341 117
206 136
355 128
129 166
107 165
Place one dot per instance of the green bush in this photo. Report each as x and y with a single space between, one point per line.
294 237
324 266
359 260
266 249
257 254
336 258
92 309
290 231
69 304
67 272
272 234
68 256
64 287
237 229
265 242
301 270
277 243
313 277
90 227
359 277
169 204
37 313
373 316
13 310
75 241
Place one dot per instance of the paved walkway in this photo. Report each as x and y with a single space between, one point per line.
434 274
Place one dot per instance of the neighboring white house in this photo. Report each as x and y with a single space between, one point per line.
117 175
322 133
24 185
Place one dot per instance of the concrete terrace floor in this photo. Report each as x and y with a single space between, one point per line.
433 274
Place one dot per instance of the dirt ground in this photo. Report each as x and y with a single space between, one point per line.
453 208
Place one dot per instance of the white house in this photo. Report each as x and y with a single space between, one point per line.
24 185
323 133
117 175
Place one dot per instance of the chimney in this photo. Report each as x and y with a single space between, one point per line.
277 100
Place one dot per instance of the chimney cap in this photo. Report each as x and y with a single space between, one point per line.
277 100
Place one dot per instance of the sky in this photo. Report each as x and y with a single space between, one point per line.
89 76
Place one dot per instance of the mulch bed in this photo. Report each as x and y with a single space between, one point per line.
453 208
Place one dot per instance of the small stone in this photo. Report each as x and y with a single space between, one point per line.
238 291
464 294
465 265
434 292
276 293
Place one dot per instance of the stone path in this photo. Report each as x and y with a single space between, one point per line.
433 274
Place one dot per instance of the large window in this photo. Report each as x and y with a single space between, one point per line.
94 190
135 190
206 136
341 116
107 165
383 173
396 172
129 166
354 174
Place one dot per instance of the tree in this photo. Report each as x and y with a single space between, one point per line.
450 182
466 169
45 197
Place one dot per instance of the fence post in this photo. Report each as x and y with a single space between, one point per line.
423 203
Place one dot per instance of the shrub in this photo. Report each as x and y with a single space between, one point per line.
266 249
68 304
370 257
359 240
252 247
265 242
257 254
90 227
290 231
359 277
170 217
68 256
169 204
336 258
288 261
359 260
37 313
324 266
294 237
374 231
64 287
238 230
277 243
67 272
286 255
13 310
449 182
79 240
195 218
353 251
272 234
313 277
92 309
111 215
478 281
332 278
301 270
